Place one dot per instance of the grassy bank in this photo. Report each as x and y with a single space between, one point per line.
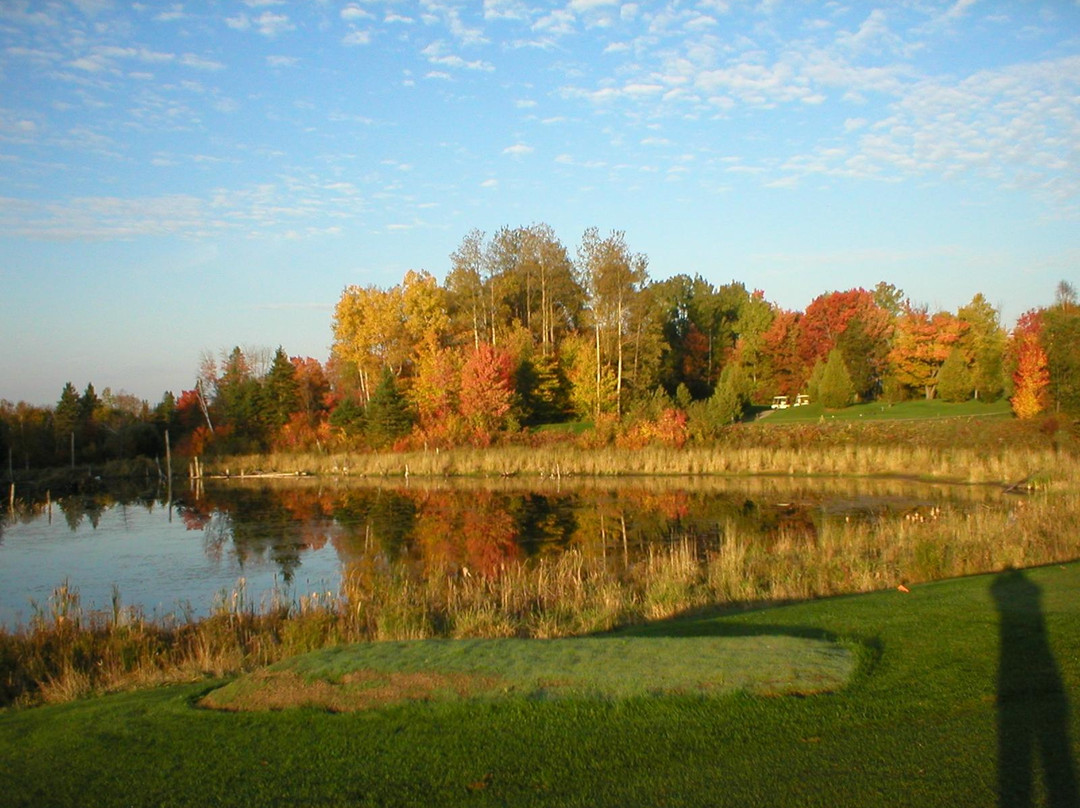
883 411
65 652
975 450
964 700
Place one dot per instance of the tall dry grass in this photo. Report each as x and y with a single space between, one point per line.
1001 452
66 652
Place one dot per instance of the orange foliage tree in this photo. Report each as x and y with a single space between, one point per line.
921 346
1032 376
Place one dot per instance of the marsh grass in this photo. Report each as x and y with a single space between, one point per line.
975 450
66 652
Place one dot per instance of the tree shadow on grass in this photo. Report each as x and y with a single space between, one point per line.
710 622
1032 706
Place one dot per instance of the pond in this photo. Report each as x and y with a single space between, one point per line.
264 539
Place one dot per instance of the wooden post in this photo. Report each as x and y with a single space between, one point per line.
168 471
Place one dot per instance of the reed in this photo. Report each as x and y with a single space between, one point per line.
66 652
990 451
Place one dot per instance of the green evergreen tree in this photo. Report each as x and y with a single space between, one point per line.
387 416
66 421
730 398
954 379
89 405
239 397
813 384
836 389
683 396
551 392
1061 341
280 391
348 416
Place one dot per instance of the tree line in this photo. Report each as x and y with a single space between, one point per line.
523 333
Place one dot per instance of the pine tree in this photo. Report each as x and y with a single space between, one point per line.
387 415
836 389
66 420
954 379
280 391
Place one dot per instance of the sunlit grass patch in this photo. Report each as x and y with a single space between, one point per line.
902 411
372 675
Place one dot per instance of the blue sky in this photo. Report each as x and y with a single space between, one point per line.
185 177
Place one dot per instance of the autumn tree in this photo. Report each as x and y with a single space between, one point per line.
890 299
782 368
423 311
465 286
921 346
982 346
312 388
1031 378
853 322
486 389
560 296
370 333
435 390
613 279
578 358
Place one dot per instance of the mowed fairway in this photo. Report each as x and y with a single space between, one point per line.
952 677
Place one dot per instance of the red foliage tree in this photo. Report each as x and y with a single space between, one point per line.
486 390
853 322
787 371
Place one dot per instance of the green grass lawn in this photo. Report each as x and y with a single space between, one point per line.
609 667
881 411
953 678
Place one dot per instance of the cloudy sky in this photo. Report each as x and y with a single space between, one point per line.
184 177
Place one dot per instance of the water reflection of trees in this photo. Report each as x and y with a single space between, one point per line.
480 527
259 525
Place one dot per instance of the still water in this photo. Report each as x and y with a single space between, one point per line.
290 538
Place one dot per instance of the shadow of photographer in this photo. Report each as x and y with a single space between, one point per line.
1032 706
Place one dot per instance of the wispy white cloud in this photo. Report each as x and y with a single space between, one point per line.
437 54
357 38
353 12
518 150
268 23
200 62
507 10
174 13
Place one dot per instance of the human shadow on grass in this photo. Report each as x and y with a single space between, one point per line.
1032 706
